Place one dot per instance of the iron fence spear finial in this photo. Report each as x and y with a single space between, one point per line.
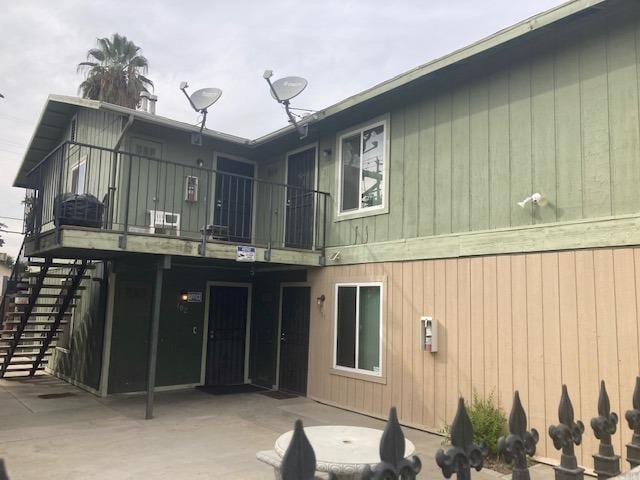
606 463
393 463
464 454
519 443
299 461
633 419
565 435
3 471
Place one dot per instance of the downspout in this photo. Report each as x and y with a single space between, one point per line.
114 172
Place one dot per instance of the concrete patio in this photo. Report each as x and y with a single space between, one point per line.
194 435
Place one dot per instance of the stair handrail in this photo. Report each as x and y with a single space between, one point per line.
12 278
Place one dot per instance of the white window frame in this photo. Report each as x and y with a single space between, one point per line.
366 211
371 373
76 167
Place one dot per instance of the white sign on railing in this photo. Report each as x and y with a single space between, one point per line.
245 253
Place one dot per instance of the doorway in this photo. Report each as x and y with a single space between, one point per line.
300 201
233 199
227 344
294 339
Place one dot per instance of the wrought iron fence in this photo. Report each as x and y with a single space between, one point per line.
299 460
95 187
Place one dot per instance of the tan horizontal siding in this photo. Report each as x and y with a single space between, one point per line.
529 322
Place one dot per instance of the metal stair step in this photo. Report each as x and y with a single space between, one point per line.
37 314
24 350
61 265
22 369
55 275
60 286
71 305
63 322
8 332
54 295
21 362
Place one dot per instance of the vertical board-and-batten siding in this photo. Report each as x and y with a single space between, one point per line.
562 121
529 322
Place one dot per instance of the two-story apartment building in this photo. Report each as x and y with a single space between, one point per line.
312 265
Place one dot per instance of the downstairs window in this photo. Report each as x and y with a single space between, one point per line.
358 327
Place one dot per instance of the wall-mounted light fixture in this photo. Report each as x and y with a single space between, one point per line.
534 199
200 163
320 299
326 152
184 296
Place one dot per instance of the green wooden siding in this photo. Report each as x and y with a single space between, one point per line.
563 121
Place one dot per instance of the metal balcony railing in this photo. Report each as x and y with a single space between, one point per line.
95 187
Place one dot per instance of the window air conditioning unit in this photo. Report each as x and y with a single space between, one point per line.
164 223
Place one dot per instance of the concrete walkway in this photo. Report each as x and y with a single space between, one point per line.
194 435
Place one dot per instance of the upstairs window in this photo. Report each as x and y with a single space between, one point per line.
362 169
72 130
78 174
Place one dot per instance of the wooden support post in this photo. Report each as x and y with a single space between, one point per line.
154 329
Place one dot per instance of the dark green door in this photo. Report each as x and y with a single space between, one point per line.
294 339
130 336
227 335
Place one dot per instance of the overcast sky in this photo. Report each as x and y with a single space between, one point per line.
342 47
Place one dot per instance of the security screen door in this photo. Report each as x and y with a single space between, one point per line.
300 207
233 200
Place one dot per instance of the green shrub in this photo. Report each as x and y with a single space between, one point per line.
488 420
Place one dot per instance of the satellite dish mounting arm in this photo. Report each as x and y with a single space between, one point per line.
183 87
302 130
204 118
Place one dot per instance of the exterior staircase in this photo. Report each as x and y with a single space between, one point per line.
37 304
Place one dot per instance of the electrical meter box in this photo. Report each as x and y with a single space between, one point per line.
428 334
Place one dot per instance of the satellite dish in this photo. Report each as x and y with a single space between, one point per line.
205 97
287 88
201 100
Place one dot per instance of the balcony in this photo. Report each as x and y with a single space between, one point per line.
98 202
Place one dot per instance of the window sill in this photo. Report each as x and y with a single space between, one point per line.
359 376
360 214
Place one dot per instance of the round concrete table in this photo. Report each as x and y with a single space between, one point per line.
342 450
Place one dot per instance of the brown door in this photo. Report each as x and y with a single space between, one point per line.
294 339
227 335
300 211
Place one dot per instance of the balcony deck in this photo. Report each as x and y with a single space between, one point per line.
81 242
94 202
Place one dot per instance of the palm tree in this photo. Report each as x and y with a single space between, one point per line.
115 72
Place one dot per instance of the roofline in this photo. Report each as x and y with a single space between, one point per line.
146 117
505 35
520 29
